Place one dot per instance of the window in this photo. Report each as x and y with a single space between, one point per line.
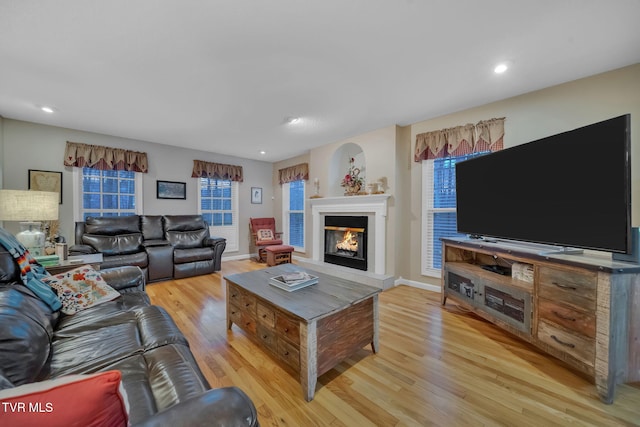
438 209
108 193
219 207
293 194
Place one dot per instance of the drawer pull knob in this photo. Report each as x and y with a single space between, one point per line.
264 337
286 329
286 353
563 317
573 288
566 344
247 304
264 316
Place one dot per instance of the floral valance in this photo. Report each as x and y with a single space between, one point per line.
486 135
202 169
294 173
104 158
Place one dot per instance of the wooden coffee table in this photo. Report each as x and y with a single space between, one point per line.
310 330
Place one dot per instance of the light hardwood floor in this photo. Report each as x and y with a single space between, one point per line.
436 366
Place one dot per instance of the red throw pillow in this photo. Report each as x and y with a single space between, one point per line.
74 400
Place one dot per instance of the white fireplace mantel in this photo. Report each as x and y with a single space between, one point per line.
375 205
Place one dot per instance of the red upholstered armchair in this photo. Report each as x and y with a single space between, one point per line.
263 231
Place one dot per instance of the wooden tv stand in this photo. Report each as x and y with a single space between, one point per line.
584 310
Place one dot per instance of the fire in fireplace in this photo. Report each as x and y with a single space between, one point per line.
345 241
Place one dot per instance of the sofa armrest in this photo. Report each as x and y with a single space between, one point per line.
124 279
218 244
214 241
81 250
227 406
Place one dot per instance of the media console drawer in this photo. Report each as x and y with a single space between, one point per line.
571 343
579 321
576 288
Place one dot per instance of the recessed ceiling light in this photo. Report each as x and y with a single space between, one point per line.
263 152
500 68
292 120
47 109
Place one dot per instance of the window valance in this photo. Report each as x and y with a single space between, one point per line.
486 135
202 169
104 158
294 173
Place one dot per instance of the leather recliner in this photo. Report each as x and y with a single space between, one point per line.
118 238
195 252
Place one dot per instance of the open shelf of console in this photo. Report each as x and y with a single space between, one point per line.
579 308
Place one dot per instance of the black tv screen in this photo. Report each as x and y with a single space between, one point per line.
572 190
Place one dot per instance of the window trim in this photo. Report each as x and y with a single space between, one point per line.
428 211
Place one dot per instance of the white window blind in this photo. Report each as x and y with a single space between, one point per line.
293 195
438 209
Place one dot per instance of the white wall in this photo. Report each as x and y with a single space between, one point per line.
35 146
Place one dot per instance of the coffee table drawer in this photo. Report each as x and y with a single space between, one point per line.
243 319
235 295
266 315
288 328
267 337
242 299
289 354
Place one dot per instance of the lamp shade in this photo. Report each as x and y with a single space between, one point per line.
22 205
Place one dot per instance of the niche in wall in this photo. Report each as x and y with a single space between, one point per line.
339 166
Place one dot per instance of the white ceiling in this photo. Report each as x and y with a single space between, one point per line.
223 75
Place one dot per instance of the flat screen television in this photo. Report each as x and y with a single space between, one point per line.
569 190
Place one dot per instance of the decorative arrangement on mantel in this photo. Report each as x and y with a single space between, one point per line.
352 182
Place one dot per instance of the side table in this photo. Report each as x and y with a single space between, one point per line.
94 260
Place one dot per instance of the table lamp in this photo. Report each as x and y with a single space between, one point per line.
29 208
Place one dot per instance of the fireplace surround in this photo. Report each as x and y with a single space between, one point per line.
373 206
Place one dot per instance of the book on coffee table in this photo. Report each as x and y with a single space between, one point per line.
293 281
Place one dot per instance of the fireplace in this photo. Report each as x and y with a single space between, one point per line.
345 241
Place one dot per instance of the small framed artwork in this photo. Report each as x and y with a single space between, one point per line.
171 190
45 181
256 195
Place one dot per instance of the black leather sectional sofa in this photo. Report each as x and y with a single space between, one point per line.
164 385
163 246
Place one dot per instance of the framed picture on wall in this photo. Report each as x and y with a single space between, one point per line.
171 190
45 181
256 195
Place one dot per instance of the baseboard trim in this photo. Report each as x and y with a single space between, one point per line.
236 257
426 286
